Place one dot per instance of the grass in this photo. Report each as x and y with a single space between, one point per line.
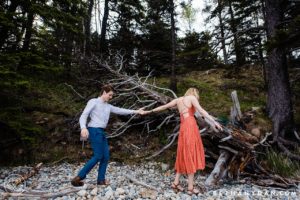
215 89
282 165
54 97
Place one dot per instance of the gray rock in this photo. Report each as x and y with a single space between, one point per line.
122 197
109 194
120 191
164 167
146 193
82 193
243 197
94 191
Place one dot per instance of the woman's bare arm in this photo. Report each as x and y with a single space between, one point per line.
163 107
199 108
166 106
203 112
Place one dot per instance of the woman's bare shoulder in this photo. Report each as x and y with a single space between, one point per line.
179 98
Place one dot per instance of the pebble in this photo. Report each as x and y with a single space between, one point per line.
157 175
94 192
120 191
164 167
82 193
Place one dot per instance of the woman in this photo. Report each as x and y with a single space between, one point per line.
190 151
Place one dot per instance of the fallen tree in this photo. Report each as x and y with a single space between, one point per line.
235 150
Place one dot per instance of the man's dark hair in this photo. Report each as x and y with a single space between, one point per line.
106 88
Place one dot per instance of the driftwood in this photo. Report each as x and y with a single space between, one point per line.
235 114
42 194
134 180
268 180
32 172
60 160
220 169
174 136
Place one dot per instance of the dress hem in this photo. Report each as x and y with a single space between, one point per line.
185 172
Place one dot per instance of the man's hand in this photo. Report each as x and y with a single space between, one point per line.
84 134
146 112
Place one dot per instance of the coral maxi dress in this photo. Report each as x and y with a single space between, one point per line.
190 150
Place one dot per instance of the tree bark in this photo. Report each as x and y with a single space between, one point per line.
279 102
103 44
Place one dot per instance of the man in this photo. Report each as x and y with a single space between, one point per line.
99 111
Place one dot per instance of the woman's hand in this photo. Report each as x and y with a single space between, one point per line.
218 126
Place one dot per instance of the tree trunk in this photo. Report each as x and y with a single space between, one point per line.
28 25
173 82
87 27
220 7
103 44
279 102
240 58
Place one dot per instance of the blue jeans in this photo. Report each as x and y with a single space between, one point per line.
100 148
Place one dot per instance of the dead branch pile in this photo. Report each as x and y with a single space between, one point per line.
234 151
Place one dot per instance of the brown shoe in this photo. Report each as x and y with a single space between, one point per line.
77 182
105 182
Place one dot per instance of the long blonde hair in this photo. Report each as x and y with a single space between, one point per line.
192 91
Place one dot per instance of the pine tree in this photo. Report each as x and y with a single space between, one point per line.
238 30
156 46
279 101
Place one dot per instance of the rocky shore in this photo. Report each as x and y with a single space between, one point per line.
144 181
